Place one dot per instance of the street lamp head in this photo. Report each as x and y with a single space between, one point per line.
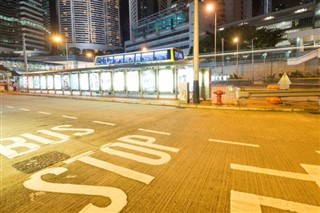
89 54
210 7
236 40
57 39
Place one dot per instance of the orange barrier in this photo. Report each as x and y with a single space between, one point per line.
273 86
274 100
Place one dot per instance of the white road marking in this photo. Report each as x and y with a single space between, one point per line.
104 123
24 109
161 158
142 140
313 171
234 143
85 158
117 197
69 117
46 113
11 107
153 131
279 173
241 202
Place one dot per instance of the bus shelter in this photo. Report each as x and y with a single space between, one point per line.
135 80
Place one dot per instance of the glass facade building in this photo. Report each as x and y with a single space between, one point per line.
90 24
31 18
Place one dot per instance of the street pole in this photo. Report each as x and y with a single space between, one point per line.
215 39
24 46
252 59
222 55
196 98
67 56
237 58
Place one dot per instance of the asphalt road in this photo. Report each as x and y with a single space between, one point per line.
63 155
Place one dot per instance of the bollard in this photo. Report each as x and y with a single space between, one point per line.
219 93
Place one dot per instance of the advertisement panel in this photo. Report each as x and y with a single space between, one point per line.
74 82
30 82
147 56
118 81
84 81
50 81
106 81
148 81
36 82
25 81
165 81
162 55
133 81
94 81
66 82
57 82
43 82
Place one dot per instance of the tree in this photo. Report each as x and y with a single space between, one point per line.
263 38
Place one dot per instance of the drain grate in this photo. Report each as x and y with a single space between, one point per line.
39 162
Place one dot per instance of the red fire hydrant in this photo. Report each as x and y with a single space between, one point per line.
219 93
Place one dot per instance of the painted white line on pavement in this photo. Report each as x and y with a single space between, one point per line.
313 171
153 131
69 117
104 123
234 143
46 113
279 173
246 202
86 158
11 107
24 109
77 157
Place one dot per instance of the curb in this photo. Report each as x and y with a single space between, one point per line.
181 105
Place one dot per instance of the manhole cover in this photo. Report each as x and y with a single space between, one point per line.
39 162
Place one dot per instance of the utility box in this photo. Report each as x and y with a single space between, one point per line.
184 92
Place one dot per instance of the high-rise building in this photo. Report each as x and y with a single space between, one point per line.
140 9
90 24
261 7
9 31
317 14
230 11
31 18
227 10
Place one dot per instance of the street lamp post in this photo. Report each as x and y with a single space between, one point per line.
236 40
67 54
222 55
252 60
264 64
211 7
196 98
58 39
